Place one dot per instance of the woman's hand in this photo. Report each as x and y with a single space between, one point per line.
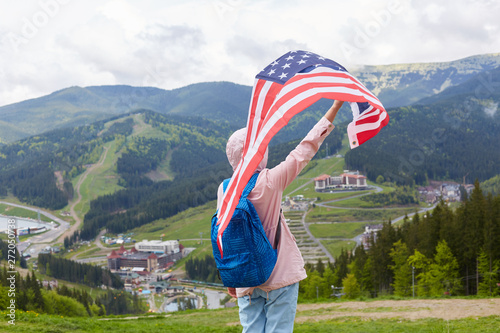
332 112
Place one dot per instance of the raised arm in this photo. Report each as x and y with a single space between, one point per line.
284 173
332 112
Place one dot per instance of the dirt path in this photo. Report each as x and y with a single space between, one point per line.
78 221
447 309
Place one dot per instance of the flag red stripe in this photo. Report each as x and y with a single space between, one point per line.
271 98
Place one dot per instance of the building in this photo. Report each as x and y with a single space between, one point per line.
347 180
370 230
140 261
157 246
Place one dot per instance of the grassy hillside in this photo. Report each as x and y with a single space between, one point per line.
492 185
379 316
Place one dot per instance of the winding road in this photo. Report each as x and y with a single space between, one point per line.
37 243
358 238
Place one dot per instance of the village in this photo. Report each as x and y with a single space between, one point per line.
146 269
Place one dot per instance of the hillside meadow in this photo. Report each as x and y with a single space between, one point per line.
420 315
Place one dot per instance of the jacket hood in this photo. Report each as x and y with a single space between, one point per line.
234 149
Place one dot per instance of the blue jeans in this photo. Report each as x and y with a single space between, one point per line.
273 313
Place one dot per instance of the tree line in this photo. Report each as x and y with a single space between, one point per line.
402 195
203 269
133 207
27 166
442 252
446 252
72 271
30 295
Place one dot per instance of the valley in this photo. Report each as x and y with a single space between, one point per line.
149 169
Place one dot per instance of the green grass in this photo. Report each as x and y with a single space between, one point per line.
328 166
335 246
78 250
101 181
309 192
337 230
185 225
323 214
21 212
323 197
141 129
227 320
358 203
84 251
201 251
360 324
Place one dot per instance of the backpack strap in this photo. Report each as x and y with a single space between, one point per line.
248 188
278 232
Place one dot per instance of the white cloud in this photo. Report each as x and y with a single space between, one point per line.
170 44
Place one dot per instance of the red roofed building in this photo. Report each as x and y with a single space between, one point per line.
133 258
354 180
321 182
121 250
345 180
114 260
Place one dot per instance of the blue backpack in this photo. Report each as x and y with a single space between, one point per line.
249 258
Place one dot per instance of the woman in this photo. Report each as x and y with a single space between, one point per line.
271 306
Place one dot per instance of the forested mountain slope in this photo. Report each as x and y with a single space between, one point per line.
448 136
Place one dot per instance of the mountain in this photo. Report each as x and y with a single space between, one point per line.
395 85
453 134
405 84
480 86
142 147
77 106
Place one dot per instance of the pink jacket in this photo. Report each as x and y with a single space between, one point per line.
266 197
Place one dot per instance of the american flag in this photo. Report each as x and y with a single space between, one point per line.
284 88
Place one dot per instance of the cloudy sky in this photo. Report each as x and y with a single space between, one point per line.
47 45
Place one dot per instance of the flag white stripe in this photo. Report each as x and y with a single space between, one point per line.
291 94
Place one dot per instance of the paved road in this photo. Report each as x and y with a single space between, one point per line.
39 242
358 238
320 245
325 204
213 298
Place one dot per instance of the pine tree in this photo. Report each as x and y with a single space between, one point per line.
444 270
490 275
351 287
357 266
38 298
424 276
475 215
366 280
491 245
313 286
379 252
402 270
329 281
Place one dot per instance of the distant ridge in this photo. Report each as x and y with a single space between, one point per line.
405 84
395 85
75 106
